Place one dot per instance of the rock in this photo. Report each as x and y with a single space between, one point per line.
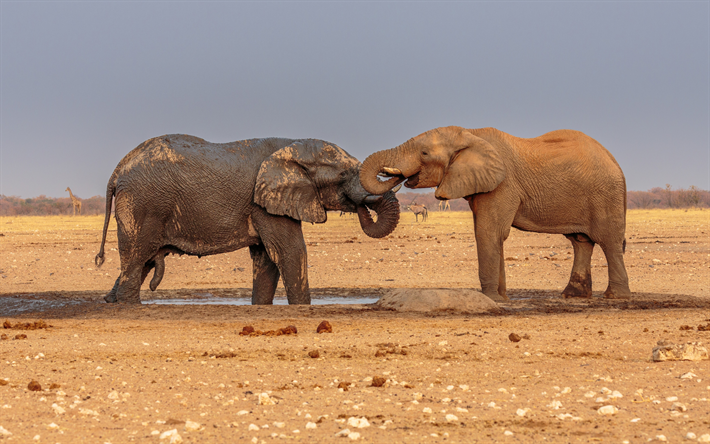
607 410
192 426
315 354
324 327
691 351
4 431
437 299
358 423
34 386
247 330
378 381
265 399
514 338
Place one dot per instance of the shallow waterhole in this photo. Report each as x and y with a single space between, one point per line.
12 306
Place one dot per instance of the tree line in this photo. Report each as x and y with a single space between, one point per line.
659 197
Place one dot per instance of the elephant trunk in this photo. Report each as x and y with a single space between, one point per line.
387 209
393 162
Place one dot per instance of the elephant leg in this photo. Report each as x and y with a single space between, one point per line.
618 287
492 218
501 276
491 268
283 239
266 276
580 281
138 252
111 295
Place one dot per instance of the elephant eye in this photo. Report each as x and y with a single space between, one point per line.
425 153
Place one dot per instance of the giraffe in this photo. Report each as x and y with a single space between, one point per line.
75 202
444 205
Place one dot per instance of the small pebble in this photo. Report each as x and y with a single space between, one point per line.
607 410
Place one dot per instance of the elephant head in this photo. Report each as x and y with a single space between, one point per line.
452 158
309 177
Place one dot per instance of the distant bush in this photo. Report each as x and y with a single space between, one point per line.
48 206
654 198
658 197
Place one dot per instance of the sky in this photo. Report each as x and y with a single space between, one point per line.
84 82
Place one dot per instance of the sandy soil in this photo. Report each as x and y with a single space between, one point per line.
133 374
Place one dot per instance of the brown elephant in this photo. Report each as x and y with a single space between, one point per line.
562 182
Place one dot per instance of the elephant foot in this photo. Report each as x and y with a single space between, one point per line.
497 297
579 286
617 294
111 298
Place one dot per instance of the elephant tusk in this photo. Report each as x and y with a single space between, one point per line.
397 188
392 171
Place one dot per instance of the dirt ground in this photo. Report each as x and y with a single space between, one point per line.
134 374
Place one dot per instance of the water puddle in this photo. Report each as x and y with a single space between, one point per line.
13 306
315 300
16 306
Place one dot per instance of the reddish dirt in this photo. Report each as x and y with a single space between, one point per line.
542 368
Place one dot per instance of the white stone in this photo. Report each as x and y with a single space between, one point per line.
433 299
58 409
607 410
691 435
264 399
4 431
508 433
192 426
242 412
672 398
343 433
353 435
680 407
253 427
113 395
689 375
556 405
451 417
358 423
426 410
280 425
522 412
704 438
661 438
311 425
173 435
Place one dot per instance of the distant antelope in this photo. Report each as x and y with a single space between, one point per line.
417 210
75 202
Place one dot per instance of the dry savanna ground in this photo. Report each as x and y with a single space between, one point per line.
182 373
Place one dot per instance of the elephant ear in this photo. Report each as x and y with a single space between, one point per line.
284 187
475 168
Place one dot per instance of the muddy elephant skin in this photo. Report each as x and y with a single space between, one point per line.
562 182
181 194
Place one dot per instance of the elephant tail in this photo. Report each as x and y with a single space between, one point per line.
110 192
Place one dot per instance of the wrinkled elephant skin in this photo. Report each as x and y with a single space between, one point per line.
562 182
181 194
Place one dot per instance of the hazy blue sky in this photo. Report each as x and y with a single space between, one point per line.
83 83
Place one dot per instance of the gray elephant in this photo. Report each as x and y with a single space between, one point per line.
561 182
180 194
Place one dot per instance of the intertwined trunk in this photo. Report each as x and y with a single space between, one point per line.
387 210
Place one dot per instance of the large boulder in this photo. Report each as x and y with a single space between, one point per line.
437 299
